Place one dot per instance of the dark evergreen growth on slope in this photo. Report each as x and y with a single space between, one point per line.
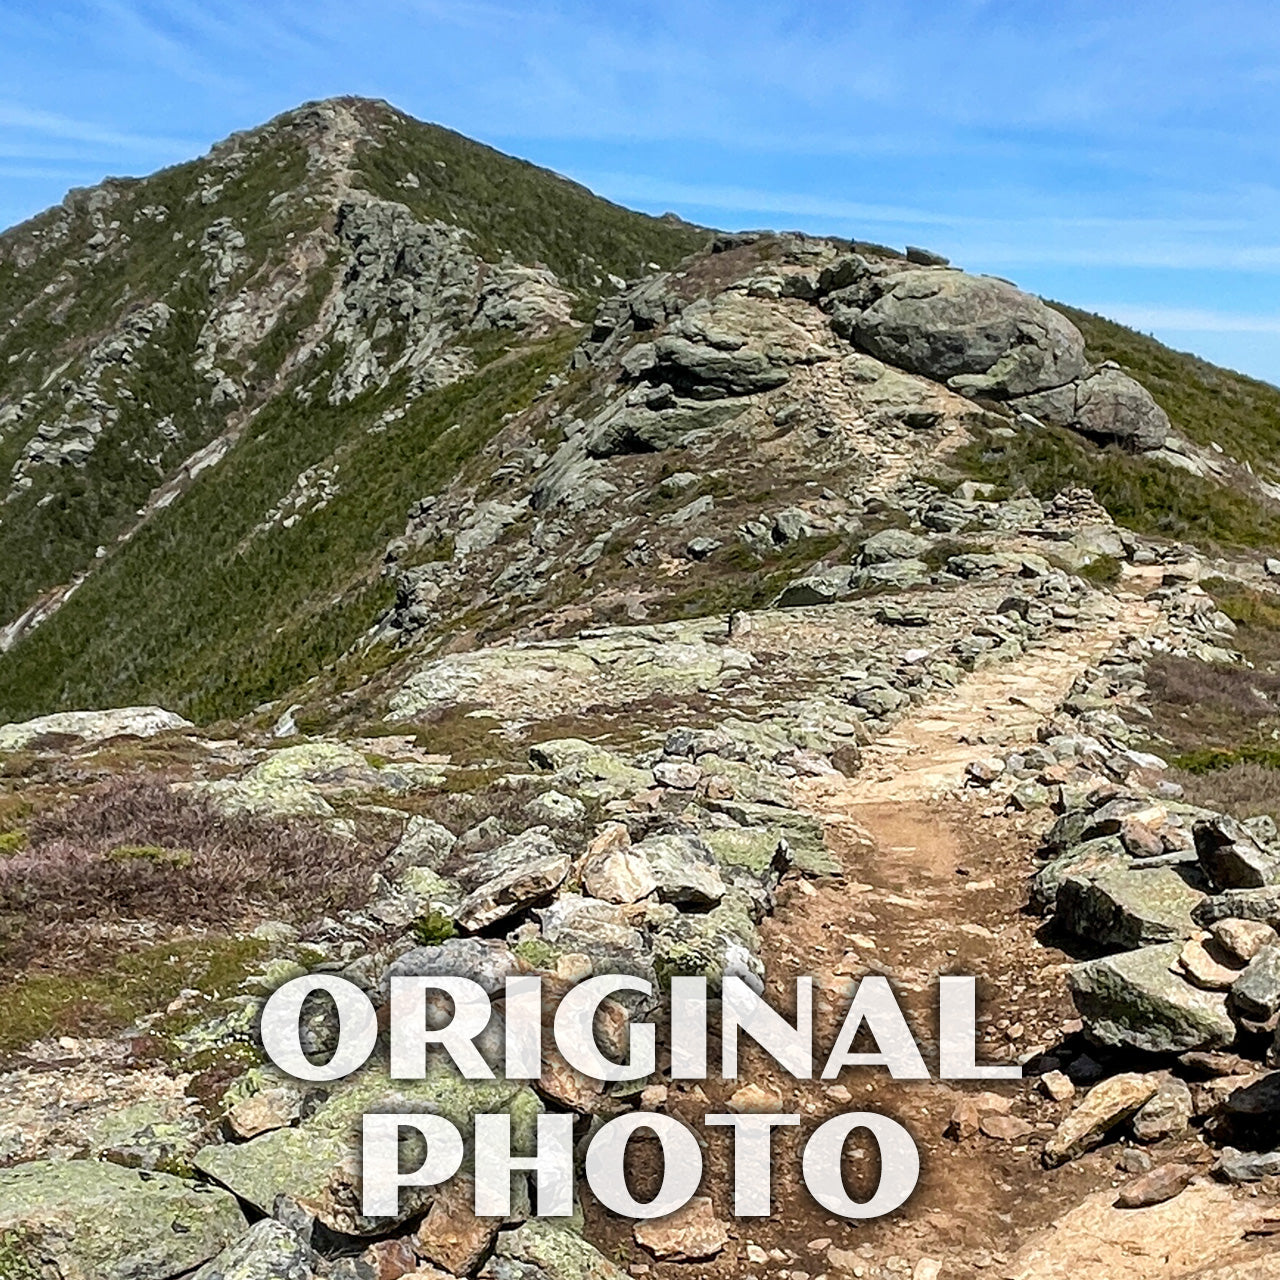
180 354
1208 404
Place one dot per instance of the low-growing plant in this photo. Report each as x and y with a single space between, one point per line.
133 848
1241 784
432 929
1141 493
1103 571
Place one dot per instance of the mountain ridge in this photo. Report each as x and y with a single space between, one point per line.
315 241
551 590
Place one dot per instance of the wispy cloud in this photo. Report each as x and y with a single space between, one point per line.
49 124
1186 319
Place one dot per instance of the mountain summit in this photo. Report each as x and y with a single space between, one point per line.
224 389
188 357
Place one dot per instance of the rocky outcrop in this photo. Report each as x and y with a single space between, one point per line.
982 335
93 726
97 1221
1107 405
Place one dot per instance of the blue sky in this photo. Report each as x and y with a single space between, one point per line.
1119 157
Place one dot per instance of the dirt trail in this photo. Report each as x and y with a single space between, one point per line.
932 885
1002 705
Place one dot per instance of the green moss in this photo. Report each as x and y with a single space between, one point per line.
113 991
537 952
12 842
151 853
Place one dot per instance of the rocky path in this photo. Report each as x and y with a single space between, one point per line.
1002 705
932 885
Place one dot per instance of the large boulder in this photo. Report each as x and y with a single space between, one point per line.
92 726
1122 908
1107 405
988 335
1133 1000
97 1221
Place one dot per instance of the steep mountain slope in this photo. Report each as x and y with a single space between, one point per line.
187 360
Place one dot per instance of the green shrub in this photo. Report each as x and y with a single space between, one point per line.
433 928
1141 493
1104 571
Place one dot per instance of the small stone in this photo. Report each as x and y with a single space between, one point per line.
261 1112
391 1259
965 1120
1134 1160
1005 1128
751 1099
1200 965
985 771
1168 1114
1057 1086
678 774
451 1235
653 1096
1156 1187
1247 1166
1105 1106
1242 939
926 1269
692 1232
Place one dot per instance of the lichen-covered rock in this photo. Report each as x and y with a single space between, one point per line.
1255 994
97 1221
92 726
991 337
1123 908
267 1251
1232 856
317 1163
1260 905
1167 1114
1107 405
485 961
683 868
511 891
569 676
1133 1000
715 944
543 1250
